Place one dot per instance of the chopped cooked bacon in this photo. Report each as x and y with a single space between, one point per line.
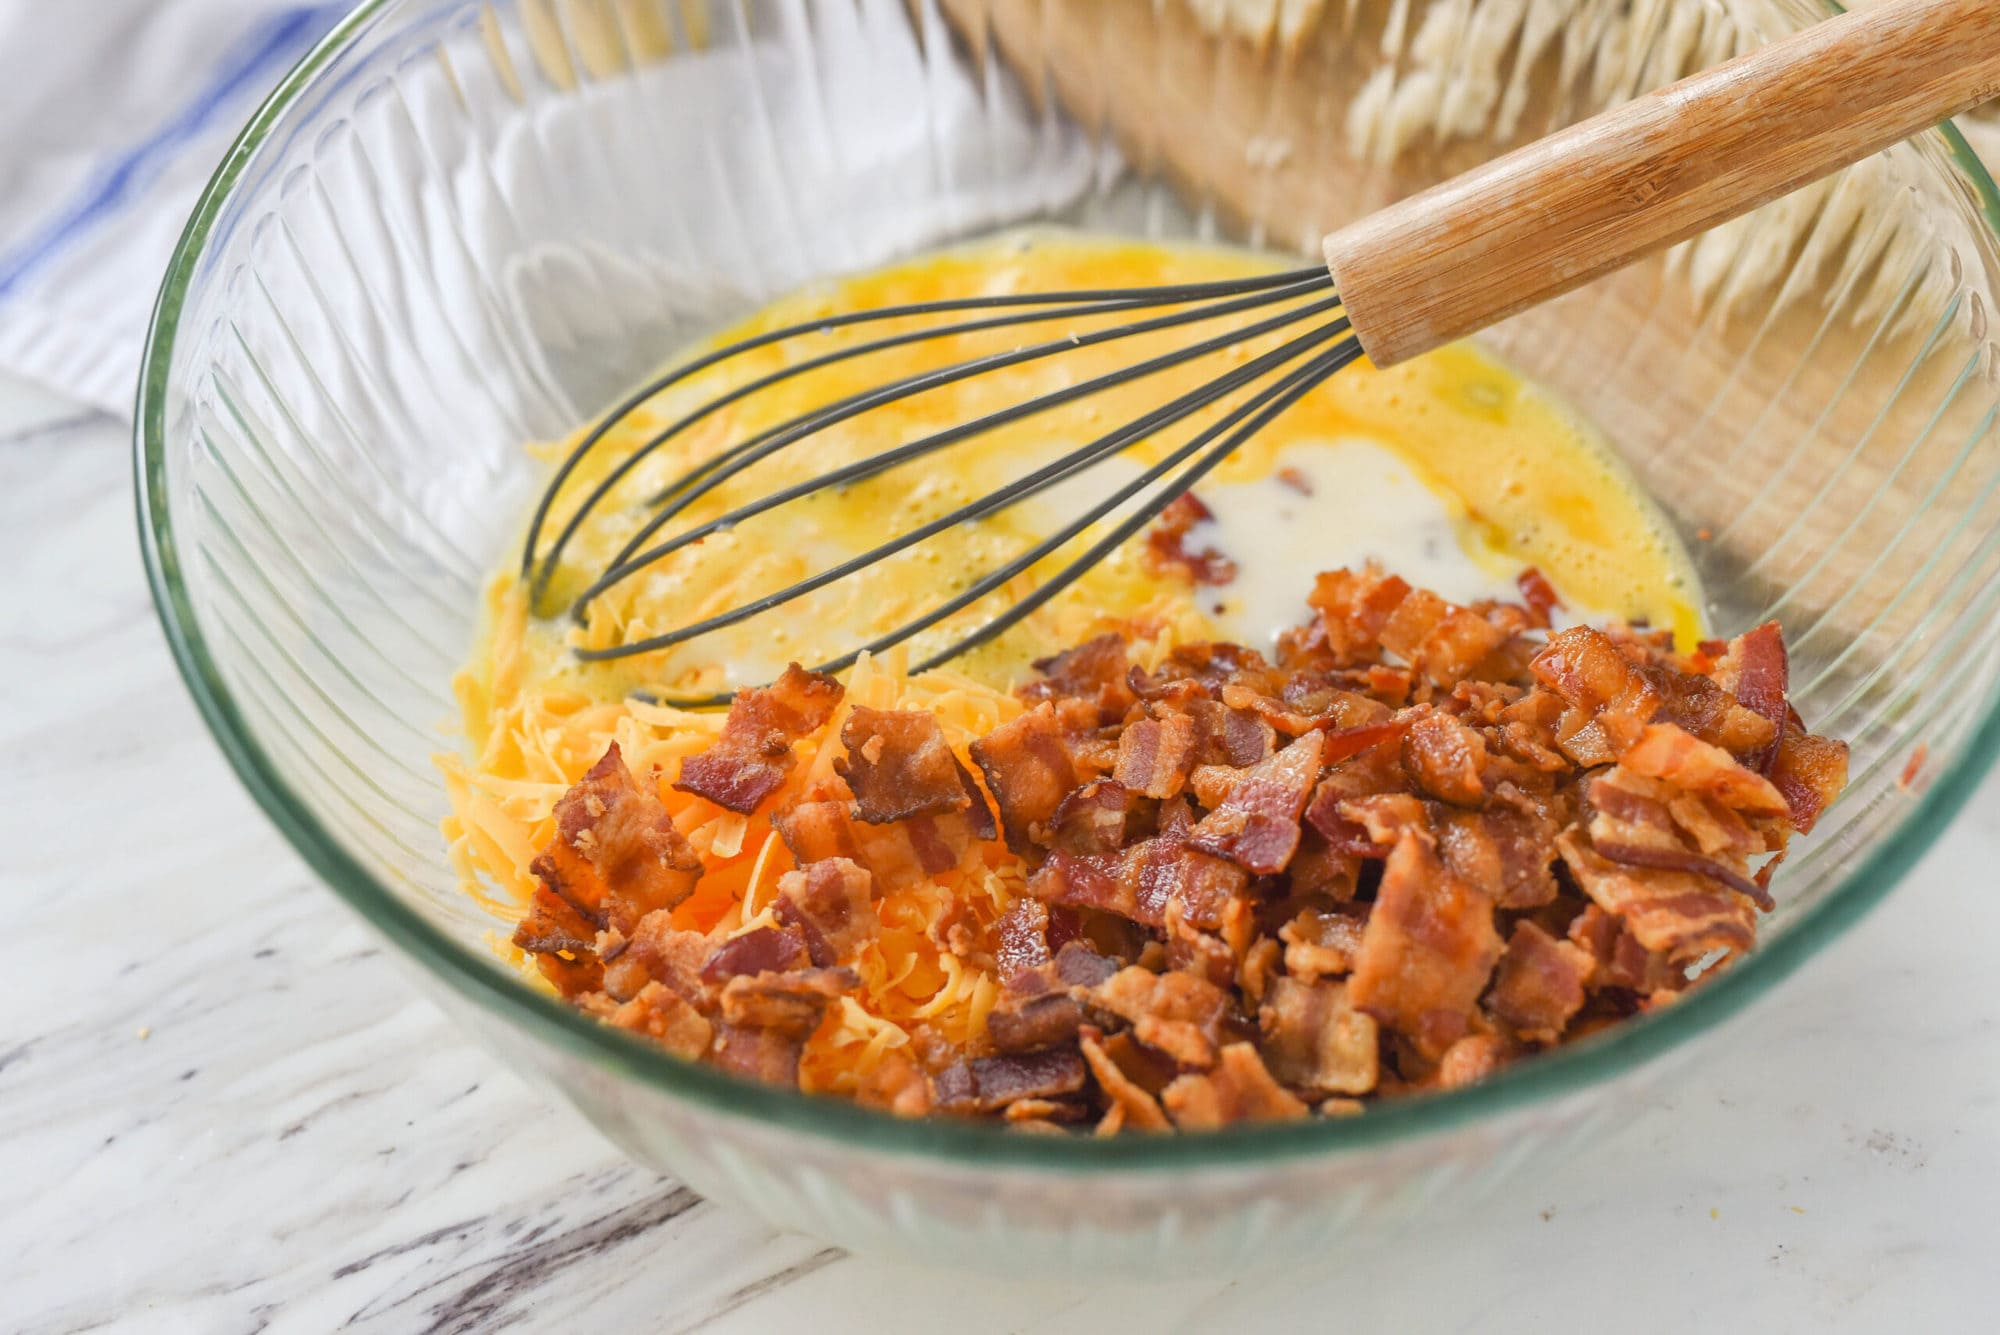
1194 951
1314 1038
1140 1108
616 855
1675 912
1166 543
1503 852
1537 595
1668 751
1225 736
791 1002
1257 825
1092 818
1154 755
1023 1024
1321 944
829 904
767 1056
1810 771
1539 983
1177 1013
1096 671
663 1015
1621 962
1470 1060
553 924
1441 641
898 764
1030 771
1421 842
1446 759
1353 607
657 951
1239 1089
897 1085
1427 951
898 855
988 1084
1757 671
1023 936
751 758
759 950
1633 822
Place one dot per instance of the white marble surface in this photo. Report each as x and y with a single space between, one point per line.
223 1109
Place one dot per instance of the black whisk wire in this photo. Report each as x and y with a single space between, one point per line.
1252 415
994 502
630 560
1104 299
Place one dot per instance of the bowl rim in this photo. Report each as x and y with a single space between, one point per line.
477 978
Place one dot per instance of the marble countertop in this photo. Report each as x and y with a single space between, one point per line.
223 1107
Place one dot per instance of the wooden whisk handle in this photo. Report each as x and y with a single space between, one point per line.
1556 213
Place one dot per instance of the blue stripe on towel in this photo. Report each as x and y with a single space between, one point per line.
278 41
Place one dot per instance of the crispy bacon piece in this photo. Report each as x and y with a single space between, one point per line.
1239 1089
657 951
1633 822
1167 547
1194 951
988 1084
1321 944
553 924
767 1056
751 758
1504 852
759 950
1097 671
1225 736
1092 819
898 855
1042 1007
1315 1040
1353 607
1810 771
1539 983
1472 1059
1442 642
1537 595
1677 913
1023 938
1029 770
1446 759
1427 951
896 1084
830 904
899 765
1140 1109
1177 1013
663 1015
1668 751
1257 825
1620 961
1757 671
791 1002
616 856
1155 754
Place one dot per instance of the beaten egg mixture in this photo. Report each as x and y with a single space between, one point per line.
1451 471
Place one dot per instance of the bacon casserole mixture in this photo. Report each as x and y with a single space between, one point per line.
1427 840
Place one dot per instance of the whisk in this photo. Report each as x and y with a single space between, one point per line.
1412 277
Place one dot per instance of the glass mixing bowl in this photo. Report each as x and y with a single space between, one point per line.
459 226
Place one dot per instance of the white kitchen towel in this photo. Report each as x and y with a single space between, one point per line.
115 114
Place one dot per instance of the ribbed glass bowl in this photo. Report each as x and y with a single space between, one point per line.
459 226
